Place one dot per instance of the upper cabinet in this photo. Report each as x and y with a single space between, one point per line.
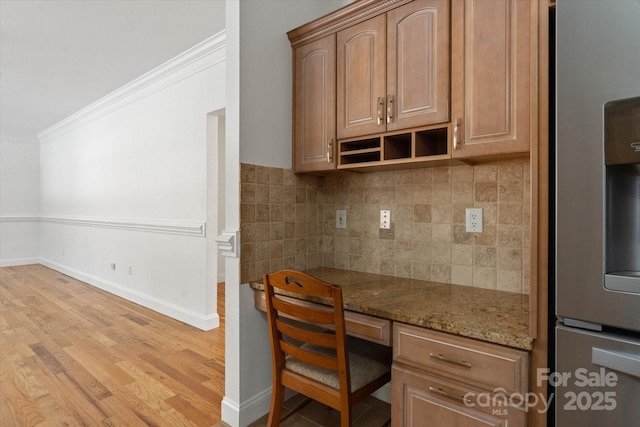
418 64
492 64
314 112
361 81
384 83
393 70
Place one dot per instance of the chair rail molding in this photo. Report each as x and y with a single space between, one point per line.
19 218
185 228
228 243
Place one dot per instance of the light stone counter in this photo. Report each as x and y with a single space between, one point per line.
494 316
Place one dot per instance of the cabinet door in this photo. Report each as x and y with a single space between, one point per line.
361 78
491 66
418 64
314 126
419 399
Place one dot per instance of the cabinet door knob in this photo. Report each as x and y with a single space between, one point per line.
380 107
389 108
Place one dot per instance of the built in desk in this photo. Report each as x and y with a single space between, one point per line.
372 302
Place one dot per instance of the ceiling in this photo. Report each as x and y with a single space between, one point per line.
58 56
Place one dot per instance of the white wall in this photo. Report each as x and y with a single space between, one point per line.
259 131
215 194
124 182
266 75
19 194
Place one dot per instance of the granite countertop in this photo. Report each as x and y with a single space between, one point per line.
494 316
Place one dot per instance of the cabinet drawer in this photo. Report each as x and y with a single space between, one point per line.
485 365
358 325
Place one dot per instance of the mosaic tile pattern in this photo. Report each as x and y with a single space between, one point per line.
288 221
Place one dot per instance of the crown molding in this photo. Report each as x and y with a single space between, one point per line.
194 60
340 19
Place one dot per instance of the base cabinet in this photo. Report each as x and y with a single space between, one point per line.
442 380
422 400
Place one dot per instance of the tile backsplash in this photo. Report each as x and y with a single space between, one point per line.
289 221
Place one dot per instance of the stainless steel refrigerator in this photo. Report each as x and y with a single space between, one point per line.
597 214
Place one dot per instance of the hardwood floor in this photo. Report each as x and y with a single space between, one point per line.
73 355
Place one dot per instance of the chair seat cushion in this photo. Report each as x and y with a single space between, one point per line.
367 362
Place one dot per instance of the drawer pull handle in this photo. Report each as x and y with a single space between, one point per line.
452 361
441 392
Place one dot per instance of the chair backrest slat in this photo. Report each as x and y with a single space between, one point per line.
321 360
323 339
306 314
300 283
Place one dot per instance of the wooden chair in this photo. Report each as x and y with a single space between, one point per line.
317 362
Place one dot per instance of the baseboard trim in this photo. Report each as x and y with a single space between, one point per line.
230 412
248 411
189 317
18 261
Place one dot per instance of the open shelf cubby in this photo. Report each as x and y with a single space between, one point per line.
413 145
397 146
360 144
373 156
360 151
431 142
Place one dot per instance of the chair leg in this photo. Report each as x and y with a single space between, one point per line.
277 402
345 417
299 406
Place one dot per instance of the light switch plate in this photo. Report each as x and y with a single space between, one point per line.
341 218
474 220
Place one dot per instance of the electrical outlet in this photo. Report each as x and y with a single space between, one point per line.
474 220
113 265
341 218
385 218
